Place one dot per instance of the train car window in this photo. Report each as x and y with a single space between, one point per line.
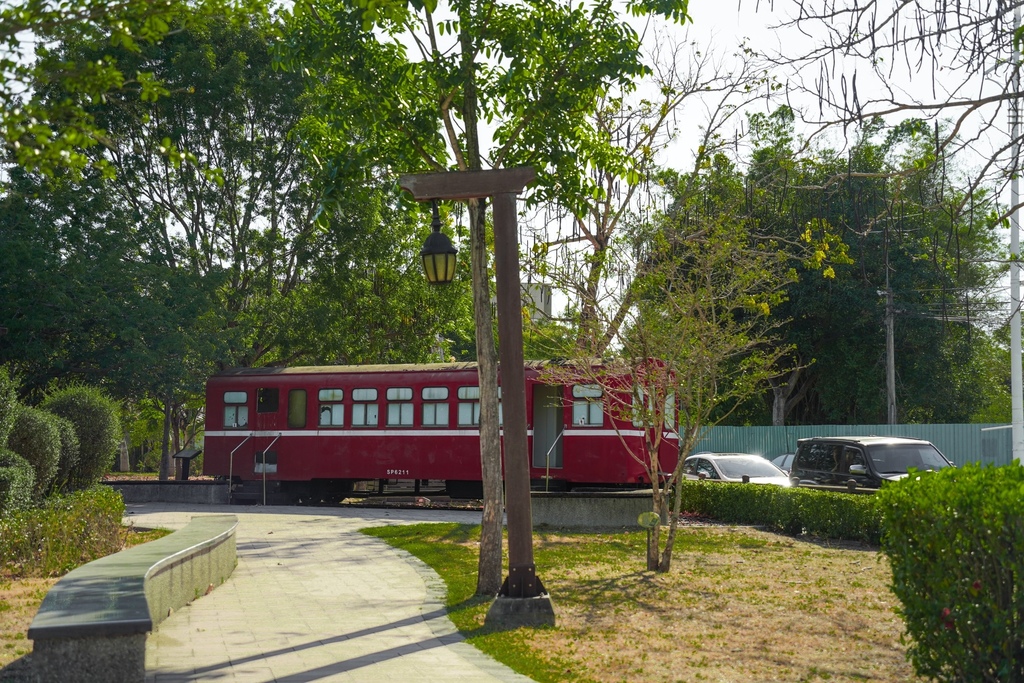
587 408
364 413
399 394
266 400
236 416
587 391
469 410
400 414
332 411
643 409
638 406
435 414
332 415
364 394
469 414
434 393
399 407
296 408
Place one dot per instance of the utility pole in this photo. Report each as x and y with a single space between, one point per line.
1016 380
890 340
890 344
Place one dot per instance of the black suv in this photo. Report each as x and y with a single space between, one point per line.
866 460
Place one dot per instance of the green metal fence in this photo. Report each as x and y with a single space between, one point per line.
961 443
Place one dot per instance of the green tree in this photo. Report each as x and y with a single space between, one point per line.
994 378
226 255
533 71
47 135
8 403
899 228
85 301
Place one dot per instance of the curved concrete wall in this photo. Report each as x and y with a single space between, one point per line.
93 623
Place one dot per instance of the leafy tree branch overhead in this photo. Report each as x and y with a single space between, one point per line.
401 74
48 135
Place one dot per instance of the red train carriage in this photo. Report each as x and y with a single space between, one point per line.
312 432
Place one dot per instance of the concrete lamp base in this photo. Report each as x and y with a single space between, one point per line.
508 613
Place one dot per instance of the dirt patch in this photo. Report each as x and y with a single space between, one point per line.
19 602
738 605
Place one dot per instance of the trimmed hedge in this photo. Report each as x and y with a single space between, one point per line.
825 514
66 532
95 417
955 540
36 438
17 479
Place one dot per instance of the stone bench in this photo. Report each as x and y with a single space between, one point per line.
92 625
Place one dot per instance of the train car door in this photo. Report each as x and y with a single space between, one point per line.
548 423
268 402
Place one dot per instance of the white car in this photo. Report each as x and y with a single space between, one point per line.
733 467
784 462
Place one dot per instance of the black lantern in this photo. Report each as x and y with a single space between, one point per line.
438 253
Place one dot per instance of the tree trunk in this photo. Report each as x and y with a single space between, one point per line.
590 335
654 535
489 575
165 452
176 441
785 395
124 463
489 570
778 405
673 525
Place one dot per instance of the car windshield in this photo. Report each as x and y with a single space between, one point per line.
752 466
898 458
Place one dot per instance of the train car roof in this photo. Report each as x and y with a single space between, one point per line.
401 367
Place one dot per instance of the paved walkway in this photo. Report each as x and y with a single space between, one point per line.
314 600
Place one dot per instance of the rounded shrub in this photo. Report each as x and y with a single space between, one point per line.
954 540
36 438
68 453
8 404
95 418
17 479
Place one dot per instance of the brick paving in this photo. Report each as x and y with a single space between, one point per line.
312 599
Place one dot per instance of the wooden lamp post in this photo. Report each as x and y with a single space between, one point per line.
522 599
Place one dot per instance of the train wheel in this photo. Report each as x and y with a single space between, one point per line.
331 490
464 490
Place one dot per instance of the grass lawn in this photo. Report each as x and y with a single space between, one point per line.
20 599
739 605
